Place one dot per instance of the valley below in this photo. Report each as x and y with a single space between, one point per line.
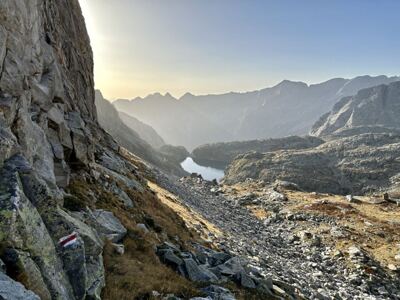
290 192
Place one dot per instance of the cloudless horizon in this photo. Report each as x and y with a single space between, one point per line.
207 47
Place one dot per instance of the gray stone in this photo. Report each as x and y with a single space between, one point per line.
8 108
218 293
12 290
112 162
128 182
21 262
121 195
62 173
74 120
218 258
107 225
231 267
3 267
245 280
56 115
169 258
119 248
8 145
142 227
286 185
33 140
83 261
198 273
22 227
171 297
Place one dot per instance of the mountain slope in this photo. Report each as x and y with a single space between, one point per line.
110 120
145 131
174 120
268 113
374 107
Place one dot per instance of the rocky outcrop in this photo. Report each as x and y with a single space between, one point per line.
272 112
371 110
208 266
356 164
48 131
220 155
48 127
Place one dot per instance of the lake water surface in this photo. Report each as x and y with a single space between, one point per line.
207 173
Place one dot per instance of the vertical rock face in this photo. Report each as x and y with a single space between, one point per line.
48 127
46 85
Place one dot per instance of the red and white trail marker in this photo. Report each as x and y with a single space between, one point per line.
68 240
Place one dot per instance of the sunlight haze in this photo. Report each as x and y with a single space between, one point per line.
141 47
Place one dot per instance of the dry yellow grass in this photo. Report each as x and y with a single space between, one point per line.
138 272
191 218
371 225
259 212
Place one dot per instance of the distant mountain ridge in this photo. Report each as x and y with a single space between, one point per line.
289 108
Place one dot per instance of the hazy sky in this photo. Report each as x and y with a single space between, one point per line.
215 46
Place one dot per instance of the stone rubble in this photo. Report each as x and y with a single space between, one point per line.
297 263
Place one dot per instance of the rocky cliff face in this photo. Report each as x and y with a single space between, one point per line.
48 128
46 87
371 109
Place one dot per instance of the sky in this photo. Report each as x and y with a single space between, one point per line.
216 46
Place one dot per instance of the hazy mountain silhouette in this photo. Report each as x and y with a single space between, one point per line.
289 108
130 139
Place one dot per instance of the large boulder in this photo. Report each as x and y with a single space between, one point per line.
105 223
197 272
33 220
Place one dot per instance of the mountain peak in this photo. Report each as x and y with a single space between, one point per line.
186 95
289 83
